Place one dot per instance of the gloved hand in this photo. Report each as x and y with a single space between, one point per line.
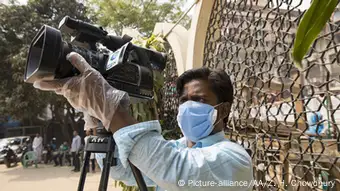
88 92
90 122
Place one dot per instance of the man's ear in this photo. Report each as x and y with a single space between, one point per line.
225 111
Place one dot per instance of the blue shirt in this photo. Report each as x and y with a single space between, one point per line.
314 127
214 162
53 146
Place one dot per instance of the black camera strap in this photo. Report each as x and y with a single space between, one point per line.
105 144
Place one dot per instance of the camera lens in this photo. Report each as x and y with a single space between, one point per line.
43 55
47 57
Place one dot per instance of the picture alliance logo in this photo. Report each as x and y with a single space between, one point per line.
222 183
231 183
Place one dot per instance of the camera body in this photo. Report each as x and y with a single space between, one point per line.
125 66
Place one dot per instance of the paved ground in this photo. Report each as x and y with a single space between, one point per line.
47 177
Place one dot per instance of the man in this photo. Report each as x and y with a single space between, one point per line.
92 156
51 150
53 144
203 158
28 145
63 152
38 146
75 147
316 126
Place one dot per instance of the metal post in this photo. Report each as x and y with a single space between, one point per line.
302 84
84 171
328 121
106 171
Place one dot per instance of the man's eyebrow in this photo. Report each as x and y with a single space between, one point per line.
196 96
199 94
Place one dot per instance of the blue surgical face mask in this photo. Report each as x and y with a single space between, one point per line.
196 119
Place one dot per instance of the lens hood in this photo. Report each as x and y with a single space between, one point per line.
43 55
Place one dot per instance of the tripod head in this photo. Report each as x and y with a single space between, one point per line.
102 132
103 142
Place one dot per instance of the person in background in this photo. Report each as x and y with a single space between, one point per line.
92 157
75 148
51 150
53 144
28 144
26 147
38 146
316 126
63 151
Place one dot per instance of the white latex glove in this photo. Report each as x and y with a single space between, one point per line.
88 92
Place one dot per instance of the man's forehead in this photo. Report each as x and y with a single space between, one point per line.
196 87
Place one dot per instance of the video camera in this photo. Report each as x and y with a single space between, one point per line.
125 66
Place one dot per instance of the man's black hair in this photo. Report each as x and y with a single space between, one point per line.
218 79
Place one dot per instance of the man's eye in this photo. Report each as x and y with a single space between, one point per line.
202 100
199 99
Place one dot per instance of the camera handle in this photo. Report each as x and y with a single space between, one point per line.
105 145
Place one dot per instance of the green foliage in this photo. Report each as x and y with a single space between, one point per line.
18 25
312 23
138 14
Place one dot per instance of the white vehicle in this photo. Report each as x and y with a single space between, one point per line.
15 143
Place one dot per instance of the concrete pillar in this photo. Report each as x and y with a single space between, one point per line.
197 34
178 40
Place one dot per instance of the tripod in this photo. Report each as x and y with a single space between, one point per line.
104 143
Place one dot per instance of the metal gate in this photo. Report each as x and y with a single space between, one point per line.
288 117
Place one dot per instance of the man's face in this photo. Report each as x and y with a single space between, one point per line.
37 135
198 90
75 133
